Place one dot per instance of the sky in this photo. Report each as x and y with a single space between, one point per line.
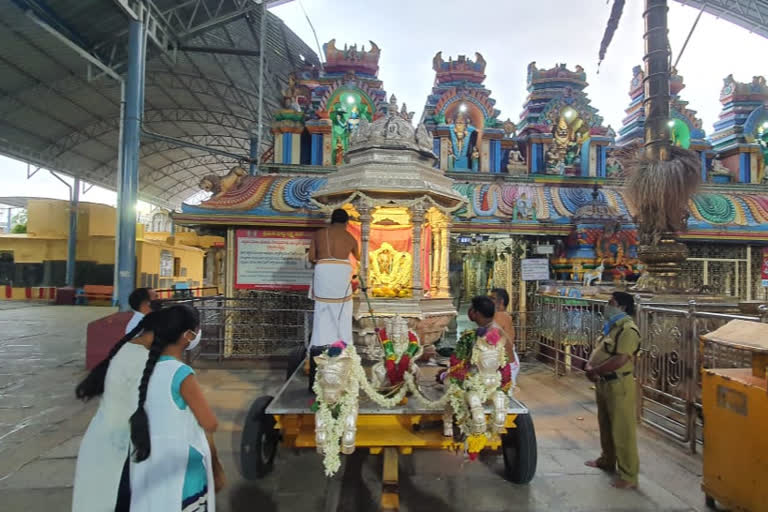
509 34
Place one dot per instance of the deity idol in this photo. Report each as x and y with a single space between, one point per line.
461 131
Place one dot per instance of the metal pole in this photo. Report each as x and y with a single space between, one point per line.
129 168
254 155
656 81
262 60
10 226
74 202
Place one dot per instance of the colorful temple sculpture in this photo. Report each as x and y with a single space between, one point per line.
741 133
323 108
454 205
686 128
562 132
461 117
403 204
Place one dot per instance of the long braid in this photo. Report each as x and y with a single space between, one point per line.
93 384
167 332
139 420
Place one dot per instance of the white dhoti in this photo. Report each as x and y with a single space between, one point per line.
332 292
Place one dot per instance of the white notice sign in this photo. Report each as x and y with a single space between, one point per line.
534 269
272 260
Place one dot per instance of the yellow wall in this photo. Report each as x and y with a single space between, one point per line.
47 217
148 256
48 230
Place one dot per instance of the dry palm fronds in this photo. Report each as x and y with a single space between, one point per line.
659 190
613 24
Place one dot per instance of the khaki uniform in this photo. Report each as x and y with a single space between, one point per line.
616 401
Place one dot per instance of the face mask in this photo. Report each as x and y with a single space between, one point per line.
611 311
195 341
155 305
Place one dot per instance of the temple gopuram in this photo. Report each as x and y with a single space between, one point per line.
548 185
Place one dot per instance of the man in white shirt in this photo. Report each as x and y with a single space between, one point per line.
140 301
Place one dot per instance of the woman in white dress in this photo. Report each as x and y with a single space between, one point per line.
172 465
106 443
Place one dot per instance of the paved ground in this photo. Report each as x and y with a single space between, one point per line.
41 359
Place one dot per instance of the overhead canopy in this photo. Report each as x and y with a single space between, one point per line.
59 112
750 14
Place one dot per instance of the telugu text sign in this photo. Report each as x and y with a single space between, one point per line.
271 259
534 269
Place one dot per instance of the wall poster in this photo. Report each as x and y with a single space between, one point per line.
272 259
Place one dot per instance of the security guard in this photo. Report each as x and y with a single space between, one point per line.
611 369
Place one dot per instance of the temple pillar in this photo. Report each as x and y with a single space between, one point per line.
365 236
295 149
445 143
326 149
485 156
417 219
277 155
434 282
445 286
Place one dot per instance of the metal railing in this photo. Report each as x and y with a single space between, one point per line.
671 357
262 324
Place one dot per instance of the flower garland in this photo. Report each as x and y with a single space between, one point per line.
462 382
333 415
396 368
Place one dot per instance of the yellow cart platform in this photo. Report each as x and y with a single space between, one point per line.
735 407
288 419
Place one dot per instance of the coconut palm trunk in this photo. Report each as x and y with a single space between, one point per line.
662 177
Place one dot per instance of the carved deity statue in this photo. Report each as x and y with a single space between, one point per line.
397 328
475 159
567 136
718 169
339 152
461 132
515 162
390 272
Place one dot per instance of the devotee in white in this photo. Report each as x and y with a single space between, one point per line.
332 281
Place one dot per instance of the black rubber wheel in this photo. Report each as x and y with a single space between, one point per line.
710 502
518 446
258 446
295 358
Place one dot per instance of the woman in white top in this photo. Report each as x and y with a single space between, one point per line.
106 444
172 465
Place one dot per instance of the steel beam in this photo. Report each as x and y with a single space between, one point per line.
128 180
74 205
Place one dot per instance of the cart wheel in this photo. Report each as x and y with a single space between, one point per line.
519 448
294 360
710 502
259 443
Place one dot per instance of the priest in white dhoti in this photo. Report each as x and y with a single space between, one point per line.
331 287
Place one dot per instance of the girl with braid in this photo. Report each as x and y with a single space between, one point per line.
172 464
106 444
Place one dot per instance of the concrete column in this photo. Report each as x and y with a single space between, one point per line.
74 204
128 184
417 219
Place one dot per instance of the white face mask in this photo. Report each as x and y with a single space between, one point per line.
195 341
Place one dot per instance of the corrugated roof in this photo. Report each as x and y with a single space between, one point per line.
55 113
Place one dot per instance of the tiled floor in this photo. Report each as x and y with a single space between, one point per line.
41 360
